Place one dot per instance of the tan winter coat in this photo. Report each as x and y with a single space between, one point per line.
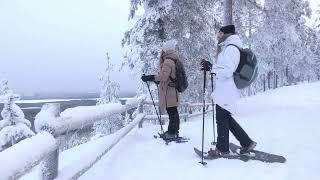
169 96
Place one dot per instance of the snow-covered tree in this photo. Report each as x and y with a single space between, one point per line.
274 30
4 87
110 89
228 12
316 43
109 94
191 23
317 21
278 42
14 127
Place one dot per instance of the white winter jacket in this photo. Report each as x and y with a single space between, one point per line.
226 93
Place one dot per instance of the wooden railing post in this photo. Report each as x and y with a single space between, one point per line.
128 113
123 102
50 165
140 109
190 109
186 111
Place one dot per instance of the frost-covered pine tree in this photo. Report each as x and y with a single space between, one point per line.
109 94
110 89
278 35
317 29
278 41
4 87
311 41
192 24
13 127
317 21
317 49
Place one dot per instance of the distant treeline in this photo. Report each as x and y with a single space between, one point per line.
64 95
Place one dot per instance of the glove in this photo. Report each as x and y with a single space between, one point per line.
146 78
205 65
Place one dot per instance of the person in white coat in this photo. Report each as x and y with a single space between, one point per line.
226 94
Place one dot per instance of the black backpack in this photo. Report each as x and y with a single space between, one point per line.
181 81
247 70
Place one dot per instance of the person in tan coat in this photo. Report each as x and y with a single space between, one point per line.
168 96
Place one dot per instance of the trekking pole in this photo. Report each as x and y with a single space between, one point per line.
155 107
213 119
203 113
159 104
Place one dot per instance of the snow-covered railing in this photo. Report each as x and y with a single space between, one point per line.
23 156
186 110
79 117
74 171
50 124
50 119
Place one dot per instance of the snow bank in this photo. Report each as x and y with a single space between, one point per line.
26 154
288 97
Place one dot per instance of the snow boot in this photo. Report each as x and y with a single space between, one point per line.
168 135
217 152
249 148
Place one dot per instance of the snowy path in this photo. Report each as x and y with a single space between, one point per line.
284 121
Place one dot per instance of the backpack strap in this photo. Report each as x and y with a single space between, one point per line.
240 56
174 60
234 46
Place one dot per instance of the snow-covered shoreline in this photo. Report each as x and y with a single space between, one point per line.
50 100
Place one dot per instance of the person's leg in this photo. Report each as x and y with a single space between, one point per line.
239 133
222 129
176 121
172 112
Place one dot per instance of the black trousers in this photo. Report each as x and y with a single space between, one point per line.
174 120
225 122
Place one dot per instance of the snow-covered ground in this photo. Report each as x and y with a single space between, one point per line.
283 121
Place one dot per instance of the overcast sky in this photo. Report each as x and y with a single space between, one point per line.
60 45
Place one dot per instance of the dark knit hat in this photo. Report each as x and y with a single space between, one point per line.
230 29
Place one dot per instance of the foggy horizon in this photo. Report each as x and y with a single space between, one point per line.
61 46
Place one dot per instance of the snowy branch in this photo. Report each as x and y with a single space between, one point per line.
255 4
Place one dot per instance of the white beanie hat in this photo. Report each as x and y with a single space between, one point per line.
169 45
